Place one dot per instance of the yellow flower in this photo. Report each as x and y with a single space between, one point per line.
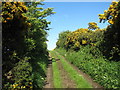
77 44
31 87
29 24
110 21
101 14
105 11
30 82
14 86
116 16
23 86
111 6
84 42
114 2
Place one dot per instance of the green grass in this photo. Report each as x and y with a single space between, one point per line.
74 75
103 71
56 74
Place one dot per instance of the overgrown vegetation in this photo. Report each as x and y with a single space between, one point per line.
102 71
24 44
96 51
73 74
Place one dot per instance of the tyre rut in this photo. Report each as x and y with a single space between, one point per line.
49 78
87 77
66 81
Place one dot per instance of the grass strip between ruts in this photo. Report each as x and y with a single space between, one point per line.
74 75
56 74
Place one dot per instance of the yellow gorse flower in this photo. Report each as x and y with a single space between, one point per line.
110 21
84 42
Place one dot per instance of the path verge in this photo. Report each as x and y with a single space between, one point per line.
49 78
86 77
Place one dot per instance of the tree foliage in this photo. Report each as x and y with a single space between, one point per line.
62 39
14 28
80 37
111 44
24 44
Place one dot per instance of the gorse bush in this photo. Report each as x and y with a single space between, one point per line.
96 51
36 40
111 43
24 48
81 37
107 40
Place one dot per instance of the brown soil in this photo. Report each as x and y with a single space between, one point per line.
66 81
49 78
87 77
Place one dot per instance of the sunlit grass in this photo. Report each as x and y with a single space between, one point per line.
100 69
74 75
56 74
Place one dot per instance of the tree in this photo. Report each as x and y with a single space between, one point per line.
62 39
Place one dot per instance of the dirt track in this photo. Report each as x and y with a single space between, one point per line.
66 81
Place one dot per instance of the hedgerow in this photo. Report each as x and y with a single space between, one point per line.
104 72
96 51
24 47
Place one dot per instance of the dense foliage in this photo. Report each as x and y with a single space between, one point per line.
111 43
81 37
100 69
24 44
96 51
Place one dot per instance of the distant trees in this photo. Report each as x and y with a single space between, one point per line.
81 37
62 39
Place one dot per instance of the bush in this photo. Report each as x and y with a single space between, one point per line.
101 70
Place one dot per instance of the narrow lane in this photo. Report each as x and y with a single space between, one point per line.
49 78
66 81
86 77
65 78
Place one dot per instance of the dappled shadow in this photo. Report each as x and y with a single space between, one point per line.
51 59
38 72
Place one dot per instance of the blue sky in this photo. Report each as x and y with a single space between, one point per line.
71 16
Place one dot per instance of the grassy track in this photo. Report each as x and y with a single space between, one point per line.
74 75
56 74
